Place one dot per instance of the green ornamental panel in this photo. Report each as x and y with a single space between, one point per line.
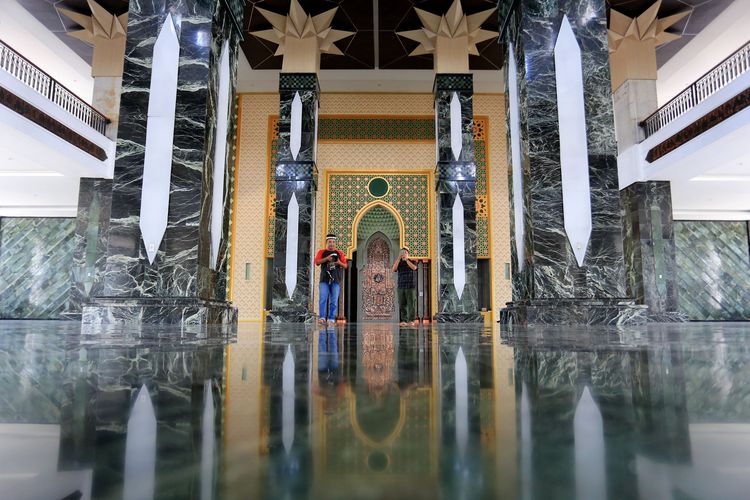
348 195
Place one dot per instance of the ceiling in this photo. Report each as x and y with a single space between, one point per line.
374 23
375 44
703 12
45 12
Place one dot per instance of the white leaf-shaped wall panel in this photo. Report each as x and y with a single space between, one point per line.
157 163
574 162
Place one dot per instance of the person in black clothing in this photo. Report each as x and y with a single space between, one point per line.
407 296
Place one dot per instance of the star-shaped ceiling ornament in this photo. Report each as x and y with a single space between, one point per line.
301 38
633 42
647 26
451 37
106 32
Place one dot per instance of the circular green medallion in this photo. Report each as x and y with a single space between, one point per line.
378 187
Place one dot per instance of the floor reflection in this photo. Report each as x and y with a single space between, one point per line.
373 411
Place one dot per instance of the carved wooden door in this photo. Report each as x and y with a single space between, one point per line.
378 285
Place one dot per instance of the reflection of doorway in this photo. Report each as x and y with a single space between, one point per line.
377 285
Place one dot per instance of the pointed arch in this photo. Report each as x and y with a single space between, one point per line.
362 212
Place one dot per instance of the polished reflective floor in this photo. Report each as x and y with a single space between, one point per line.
373 411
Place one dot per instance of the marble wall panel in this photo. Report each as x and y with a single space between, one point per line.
295 175
551 270
181 265
713 270
648 236
91 237
296 307
36 256
448 299
456 177
212 284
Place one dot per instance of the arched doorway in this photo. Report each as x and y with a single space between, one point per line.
378 238
378 288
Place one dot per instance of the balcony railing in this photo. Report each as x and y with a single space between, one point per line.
719 77
26 71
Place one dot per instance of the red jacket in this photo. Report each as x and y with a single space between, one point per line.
319 256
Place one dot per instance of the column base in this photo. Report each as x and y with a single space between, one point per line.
290 316
459 317
574 312
159 311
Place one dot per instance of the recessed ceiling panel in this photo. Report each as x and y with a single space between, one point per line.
703 12
44 11
352 15
399 15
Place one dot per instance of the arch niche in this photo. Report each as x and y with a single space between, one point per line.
378 233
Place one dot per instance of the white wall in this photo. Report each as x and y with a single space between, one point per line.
725 34
20 30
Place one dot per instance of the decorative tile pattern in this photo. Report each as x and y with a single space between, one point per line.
713 270
482 169
298 81
409 195
388 129
250 202
255 152
457 81
36 256
498 222
378 105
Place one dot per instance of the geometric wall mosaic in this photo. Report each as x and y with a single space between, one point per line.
409 196
392 128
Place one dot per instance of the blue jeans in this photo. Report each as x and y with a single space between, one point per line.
329 290
328 350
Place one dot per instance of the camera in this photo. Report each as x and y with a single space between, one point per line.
334 259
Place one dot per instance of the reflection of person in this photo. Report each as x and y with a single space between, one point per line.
407 296
328 351
330 385
331 261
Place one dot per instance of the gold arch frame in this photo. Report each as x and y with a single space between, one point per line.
431 216
362 435
362 212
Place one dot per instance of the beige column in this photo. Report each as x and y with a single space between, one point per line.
632 60
106 32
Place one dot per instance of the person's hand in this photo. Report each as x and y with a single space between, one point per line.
329 258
